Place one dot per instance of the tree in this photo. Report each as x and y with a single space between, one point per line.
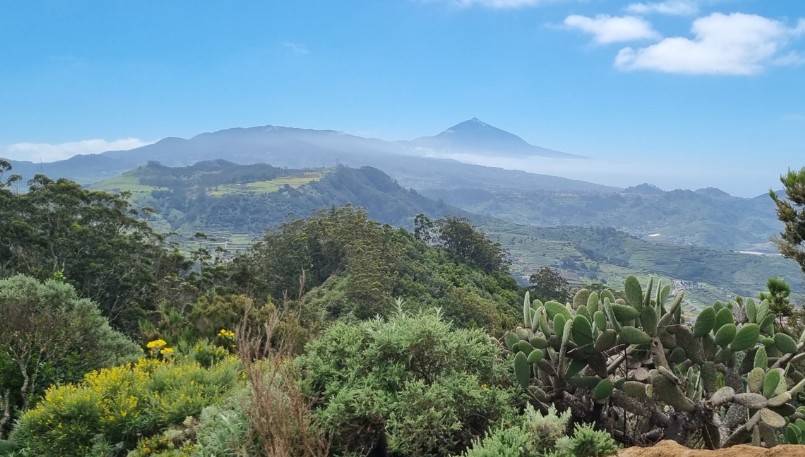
48 335
93 239
777 296
470 245
791 212
547 284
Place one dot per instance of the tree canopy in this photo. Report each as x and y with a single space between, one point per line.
791 212
93 239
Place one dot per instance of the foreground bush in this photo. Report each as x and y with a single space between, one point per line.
111 409
543 435
412 385
49 335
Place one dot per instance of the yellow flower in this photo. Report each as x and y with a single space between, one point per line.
224 333
156 344
166 351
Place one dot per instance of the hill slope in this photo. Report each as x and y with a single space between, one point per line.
706 217
238 203
220 196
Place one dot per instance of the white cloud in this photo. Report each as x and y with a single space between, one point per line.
494 4
670 7
297 48
734 44
499 4
791 59
612 29
48 152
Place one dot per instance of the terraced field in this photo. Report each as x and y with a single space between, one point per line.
265 187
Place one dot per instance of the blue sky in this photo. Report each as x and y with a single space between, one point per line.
678 93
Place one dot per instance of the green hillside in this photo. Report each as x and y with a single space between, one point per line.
234 204
244 200
605 255
707 217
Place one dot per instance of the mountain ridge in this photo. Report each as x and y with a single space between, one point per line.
298 148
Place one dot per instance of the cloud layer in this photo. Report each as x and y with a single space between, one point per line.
48 152
733 44
670 7
613 29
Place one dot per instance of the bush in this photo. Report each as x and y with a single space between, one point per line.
587 442
223 430
540 435
56 336
118 406
412 385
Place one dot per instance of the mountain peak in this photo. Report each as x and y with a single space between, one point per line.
477 125
477 137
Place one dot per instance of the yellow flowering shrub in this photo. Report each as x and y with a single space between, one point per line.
156 344
227 334
124 404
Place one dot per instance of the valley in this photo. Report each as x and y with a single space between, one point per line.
696 240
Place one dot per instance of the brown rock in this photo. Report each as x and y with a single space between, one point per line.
670 448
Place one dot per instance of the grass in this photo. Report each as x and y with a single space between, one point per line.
125 183
265 187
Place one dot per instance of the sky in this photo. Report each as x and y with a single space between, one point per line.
677 93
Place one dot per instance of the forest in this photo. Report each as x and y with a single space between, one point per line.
335 334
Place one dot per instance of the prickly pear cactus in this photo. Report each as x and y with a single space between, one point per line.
727 376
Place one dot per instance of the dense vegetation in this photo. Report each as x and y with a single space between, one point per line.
705 217
219 196
337 335
234 204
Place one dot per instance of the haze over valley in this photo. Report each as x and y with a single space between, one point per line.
211 183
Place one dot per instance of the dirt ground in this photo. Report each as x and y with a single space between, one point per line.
672 449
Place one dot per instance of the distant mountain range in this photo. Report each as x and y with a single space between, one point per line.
707 217
299 148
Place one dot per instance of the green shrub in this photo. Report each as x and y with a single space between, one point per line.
223 430
56 336
8 447
412 385
118 406
540 435
587 442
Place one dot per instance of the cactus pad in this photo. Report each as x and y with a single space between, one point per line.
511 338
582 331
704 322
746 337
785 343
632 335
771 418
723 317
634 293
624 312
606 340
522 369
535 356
751 400
603 389
554 308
